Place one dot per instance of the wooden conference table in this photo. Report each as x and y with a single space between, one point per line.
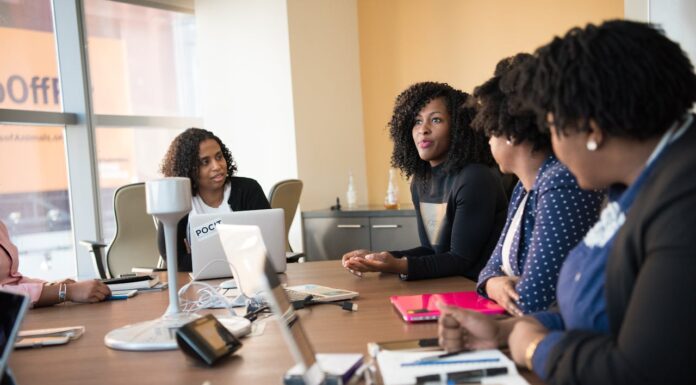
262 360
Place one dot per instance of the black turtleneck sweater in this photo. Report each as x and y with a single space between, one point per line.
460 217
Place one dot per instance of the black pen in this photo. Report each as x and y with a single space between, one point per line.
444 355
465 377
475 375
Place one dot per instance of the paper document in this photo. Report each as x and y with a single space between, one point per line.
402 368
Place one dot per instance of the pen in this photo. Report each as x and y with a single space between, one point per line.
440 356
116 297
464 377
474 375
448 362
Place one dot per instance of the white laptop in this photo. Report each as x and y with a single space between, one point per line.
207 257
12 310
244 246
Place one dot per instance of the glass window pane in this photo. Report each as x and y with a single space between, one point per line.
34 200
127 155
28 69
141 60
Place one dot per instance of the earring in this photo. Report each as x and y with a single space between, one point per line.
591 145
508 142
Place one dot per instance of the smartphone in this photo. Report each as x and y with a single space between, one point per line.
37 342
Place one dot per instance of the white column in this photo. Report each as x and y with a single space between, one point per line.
79 137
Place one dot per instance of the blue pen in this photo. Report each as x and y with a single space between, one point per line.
448 362
116 297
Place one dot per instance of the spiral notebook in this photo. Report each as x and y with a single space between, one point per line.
423 307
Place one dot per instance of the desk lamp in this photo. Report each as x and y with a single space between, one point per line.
168 200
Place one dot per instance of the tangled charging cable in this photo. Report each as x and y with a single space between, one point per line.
197 295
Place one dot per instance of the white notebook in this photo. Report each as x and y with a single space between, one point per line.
398 368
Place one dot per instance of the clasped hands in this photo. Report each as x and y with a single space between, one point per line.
362 261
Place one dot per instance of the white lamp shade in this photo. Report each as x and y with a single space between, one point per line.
168 197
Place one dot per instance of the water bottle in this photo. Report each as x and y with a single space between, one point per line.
391 200
351 196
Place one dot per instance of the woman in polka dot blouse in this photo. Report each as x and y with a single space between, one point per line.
548 213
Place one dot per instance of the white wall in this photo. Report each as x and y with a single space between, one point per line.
246 85
281 87
324 51
677 19
674 16
637 10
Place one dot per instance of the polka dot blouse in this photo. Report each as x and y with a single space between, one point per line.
556 216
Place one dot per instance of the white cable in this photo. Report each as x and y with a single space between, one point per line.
207 296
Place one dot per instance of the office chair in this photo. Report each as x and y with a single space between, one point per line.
286 195
135 243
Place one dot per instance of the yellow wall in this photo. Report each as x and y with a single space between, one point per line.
453 41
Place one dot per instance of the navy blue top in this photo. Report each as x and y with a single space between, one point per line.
556 216
581 296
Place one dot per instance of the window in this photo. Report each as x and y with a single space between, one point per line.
28 76
141 64
33 189
141 60
127 155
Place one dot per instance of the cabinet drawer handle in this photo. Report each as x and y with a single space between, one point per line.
349 226
385 226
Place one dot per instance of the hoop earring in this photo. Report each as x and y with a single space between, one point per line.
592 145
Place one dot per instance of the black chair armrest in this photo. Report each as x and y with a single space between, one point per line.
292 257
97 250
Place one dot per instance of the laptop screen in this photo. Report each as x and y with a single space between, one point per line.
246 252
12 309
290 317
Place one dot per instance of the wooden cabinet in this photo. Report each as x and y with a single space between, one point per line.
330 234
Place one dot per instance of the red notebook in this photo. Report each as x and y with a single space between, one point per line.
422 307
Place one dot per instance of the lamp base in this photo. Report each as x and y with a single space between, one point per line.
160 334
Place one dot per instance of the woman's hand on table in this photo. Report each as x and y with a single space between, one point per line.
502 290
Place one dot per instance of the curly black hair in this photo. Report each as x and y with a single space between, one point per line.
626 76
182 160
466 145
499 111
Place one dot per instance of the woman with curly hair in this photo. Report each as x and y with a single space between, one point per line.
521 274
616 98
201 156
459 199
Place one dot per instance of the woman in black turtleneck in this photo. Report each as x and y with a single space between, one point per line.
459 199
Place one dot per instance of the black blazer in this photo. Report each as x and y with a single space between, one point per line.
650 288
246 194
